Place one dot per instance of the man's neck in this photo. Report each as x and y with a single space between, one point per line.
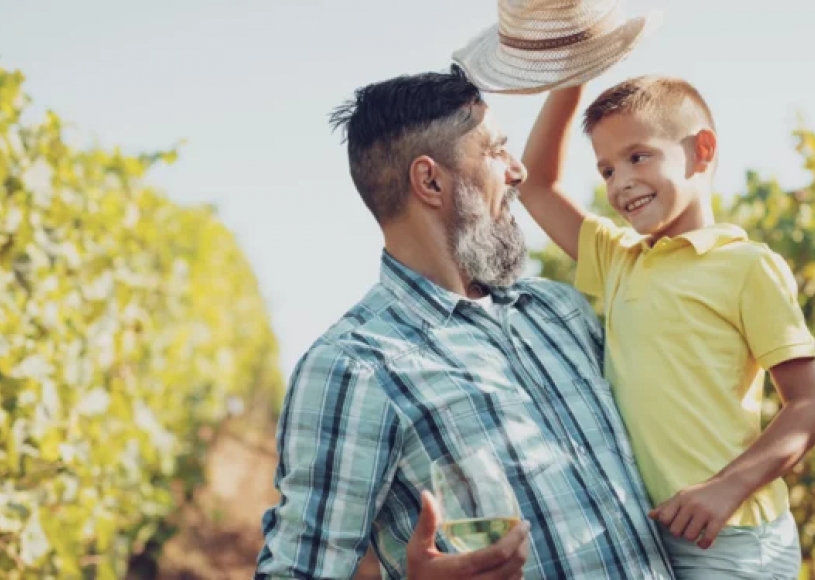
427 252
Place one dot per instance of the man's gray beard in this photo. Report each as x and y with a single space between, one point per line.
488 251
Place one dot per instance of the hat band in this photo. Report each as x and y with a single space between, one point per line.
601 26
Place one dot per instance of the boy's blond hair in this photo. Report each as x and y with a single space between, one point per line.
672 104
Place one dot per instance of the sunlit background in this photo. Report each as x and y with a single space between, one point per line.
248 85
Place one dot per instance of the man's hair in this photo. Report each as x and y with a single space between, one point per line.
389 124
671 103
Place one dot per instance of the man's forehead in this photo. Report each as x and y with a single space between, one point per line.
488 129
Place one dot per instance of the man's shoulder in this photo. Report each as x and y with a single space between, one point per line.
558 297
373 330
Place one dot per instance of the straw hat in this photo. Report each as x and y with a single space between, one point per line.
539 45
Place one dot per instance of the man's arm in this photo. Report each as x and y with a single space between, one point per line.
338 441
544 157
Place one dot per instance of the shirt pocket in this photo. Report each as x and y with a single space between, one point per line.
502 422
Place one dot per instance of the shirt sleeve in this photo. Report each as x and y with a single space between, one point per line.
598 246
773 323
338 444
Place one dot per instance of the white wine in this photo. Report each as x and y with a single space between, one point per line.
474 534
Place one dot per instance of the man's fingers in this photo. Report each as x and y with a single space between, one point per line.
512 568
517 575
424 534
510 548
500 561
421 548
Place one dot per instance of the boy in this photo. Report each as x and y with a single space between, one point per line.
695 313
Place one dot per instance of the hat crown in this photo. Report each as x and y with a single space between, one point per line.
540 45
546 19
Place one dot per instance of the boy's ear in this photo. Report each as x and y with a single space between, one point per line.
705 148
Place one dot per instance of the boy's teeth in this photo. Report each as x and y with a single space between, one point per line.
639 203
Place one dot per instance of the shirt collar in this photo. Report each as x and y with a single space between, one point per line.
706 239
433 303
703 240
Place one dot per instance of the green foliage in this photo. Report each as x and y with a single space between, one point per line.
126 324
785 221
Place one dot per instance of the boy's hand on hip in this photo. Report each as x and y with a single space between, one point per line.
504 560
699 510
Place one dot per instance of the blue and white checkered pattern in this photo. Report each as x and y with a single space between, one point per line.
414 372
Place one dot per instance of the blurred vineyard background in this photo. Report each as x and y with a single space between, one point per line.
138 368
131 329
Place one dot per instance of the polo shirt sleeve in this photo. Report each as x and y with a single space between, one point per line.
773 323
597 248
339 440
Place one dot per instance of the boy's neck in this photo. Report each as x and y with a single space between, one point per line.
695 217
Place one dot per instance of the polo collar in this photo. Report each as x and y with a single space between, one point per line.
703 240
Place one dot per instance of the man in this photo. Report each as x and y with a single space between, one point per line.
451 351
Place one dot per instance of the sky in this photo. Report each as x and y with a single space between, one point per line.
248 86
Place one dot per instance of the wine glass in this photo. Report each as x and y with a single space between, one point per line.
477 503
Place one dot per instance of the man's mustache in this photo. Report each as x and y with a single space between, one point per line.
511 195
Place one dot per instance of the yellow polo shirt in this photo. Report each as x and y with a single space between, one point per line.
692 324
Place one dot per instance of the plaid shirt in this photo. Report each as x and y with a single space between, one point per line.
414 372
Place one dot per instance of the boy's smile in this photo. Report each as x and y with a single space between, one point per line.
635 206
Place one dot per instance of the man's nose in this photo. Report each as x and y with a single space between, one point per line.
516 172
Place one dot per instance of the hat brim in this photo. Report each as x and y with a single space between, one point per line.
496 68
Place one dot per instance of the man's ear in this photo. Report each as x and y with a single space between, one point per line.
426 180
705 147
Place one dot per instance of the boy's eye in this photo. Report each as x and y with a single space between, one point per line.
607 173
637 157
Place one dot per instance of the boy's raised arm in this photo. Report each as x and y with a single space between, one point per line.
544 157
